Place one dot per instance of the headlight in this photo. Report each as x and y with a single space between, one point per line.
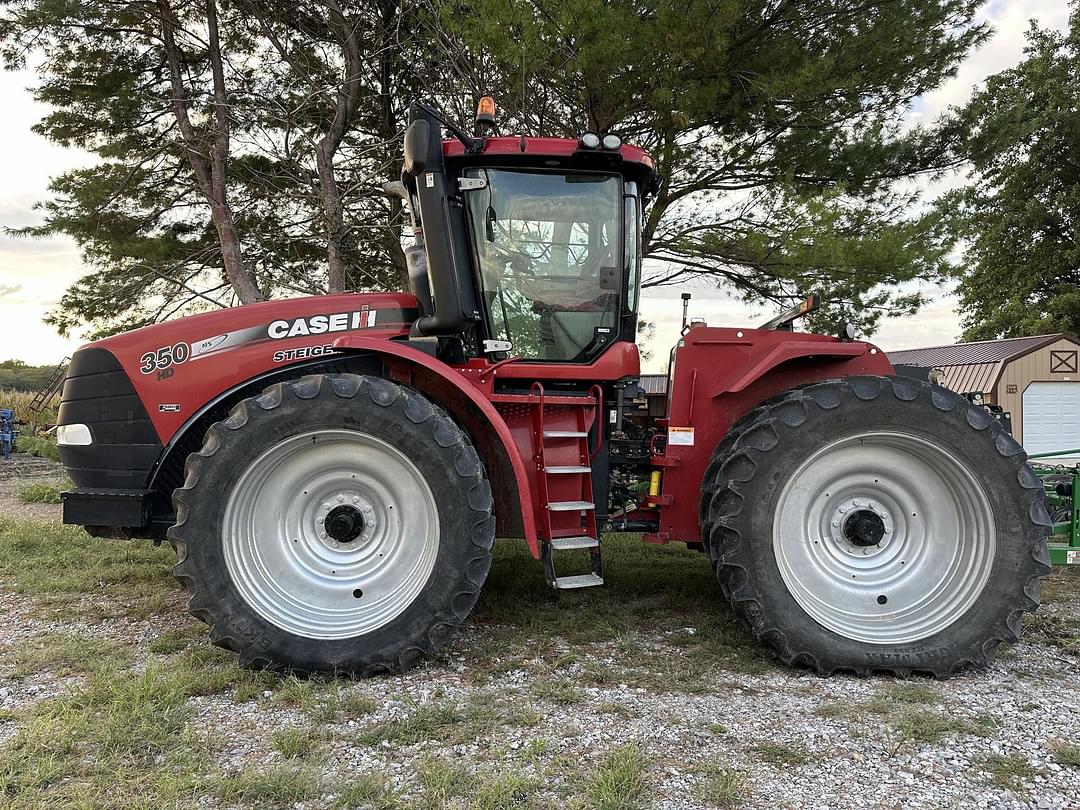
590 140
612 142
73 435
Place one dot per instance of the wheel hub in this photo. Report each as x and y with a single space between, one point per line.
344 523
864 528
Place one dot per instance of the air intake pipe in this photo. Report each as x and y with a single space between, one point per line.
442 222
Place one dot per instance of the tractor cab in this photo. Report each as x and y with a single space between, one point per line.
526 247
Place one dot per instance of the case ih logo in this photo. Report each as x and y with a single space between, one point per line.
1063 362
321 324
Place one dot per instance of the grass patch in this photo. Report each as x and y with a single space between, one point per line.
64 654
721 786
780 754
41 446
299 743
66 572
619 782
451 722
121 739
280 784
40 492
368 791
649 591
446 785
1008 772
1067 754
560 692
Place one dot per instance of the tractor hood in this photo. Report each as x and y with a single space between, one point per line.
175 368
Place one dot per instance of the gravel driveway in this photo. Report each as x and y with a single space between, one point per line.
645 695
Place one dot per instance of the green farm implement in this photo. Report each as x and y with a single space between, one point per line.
1062 483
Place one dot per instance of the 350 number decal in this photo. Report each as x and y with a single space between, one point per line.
164 357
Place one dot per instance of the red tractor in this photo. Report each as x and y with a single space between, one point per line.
333 471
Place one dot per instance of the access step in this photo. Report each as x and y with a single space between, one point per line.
578 581
567 543
571 506
567 470
565 434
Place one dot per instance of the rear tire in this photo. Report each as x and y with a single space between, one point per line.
333 523
877 525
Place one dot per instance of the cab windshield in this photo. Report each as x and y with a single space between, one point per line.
549 249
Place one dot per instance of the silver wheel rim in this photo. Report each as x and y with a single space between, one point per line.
291 570
938 538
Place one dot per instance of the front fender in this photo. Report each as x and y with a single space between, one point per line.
492 437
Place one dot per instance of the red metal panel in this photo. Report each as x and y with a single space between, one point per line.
736 370
555 147
480 419
227 347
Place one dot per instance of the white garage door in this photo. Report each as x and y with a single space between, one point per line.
1051 416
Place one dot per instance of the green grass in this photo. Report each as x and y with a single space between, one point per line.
68 574
451 722
619 781
299 743
41 492
64 654
781 754
650 591
721 786
1008 772
1067 754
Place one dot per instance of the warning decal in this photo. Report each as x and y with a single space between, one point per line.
680 436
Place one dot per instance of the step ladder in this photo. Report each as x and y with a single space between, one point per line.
564 471
56 379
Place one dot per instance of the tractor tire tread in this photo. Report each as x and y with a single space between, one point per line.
248 415
738 460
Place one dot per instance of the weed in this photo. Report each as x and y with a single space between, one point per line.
299 743
283 784
721 786
40 492
63 654
369 791
560 692
619 782
780 754
1008 772
1068 754
613 707
448 721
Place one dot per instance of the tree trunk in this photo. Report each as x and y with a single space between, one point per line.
211 175
333 216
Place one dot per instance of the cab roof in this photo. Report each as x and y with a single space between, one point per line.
564 152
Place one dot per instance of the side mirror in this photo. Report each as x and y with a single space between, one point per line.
416 147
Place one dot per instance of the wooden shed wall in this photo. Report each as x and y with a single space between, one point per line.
1021 372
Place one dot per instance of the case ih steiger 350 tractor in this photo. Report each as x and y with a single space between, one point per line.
333 471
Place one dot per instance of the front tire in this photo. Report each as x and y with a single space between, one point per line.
333 523
878 525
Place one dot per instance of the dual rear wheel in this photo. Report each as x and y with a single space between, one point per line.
876 524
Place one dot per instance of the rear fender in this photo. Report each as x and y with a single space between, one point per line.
490 434
720 374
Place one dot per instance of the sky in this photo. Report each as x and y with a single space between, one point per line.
35 272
